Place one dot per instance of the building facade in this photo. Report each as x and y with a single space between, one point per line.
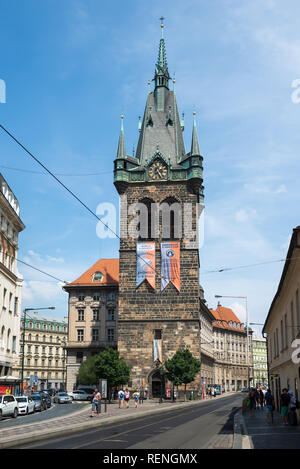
233 370
10 283
260 362
282 326
92 315
42 353
159 291
206 344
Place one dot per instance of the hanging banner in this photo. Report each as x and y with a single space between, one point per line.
145 263
170 264
157 351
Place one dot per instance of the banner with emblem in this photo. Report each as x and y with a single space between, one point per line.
145 263
170 264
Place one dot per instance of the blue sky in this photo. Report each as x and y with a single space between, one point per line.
71 68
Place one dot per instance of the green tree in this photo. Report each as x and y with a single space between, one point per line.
107 365
182 368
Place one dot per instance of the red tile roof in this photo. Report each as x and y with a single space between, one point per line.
108 267
223 316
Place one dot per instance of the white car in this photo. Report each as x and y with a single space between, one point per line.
62 398
79 395
8 406
26 405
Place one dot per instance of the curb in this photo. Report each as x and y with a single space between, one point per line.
241 438
91 425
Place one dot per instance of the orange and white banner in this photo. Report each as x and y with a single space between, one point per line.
145 263
170 264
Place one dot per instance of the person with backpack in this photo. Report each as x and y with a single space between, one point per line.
121 398
136 397
95 402
126 397
270 405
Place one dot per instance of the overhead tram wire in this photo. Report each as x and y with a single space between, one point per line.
35 268
112 231
66 188
57 174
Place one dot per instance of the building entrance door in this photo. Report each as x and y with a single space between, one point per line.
158 385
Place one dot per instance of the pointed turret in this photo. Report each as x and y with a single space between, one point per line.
161 77
121 154
195 144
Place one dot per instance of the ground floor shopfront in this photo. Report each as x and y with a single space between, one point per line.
232 377
287 375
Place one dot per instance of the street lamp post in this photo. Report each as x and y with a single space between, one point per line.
23 342
247 330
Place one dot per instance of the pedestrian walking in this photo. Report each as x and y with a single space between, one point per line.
136 397
121 398
261 399
284 401
252 398
126 398
141 396
270 405
95 402
292 414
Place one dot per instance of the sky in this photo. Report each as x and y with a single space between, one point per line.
71 68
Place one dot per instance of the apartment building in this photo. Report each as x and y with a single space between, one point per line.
260 362
92 314
282 326
233 366
42 353
10 284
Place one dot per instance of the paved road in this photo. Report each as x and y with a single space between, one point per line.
194 427
56 410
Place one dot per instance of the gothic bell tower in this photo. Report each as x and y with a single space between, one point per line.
159 292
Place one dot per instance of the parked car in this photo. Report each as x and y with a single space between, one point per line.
47 398
62 398
40 403
245 390
80 395
25 405
8 406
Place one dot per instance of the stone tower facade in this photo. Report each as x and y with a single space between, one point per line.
161 192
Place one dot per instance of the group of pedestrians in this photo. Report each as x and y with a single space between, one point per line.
211 392
263 398
125 396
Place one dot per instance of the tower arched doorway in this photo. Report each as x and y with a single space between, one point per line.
157 382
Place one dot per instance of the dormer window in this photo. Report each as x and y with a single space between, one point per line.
98 277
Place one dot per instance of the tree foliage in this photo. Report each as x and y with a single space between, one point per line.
182 368
106 365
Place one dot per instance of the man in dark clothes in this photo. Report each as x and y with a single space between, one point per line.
284 401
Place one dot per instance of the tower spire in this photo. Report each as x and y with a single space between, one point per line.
195 144
161 76
121 145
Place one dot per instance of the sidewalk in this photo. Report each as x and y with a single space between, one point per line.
81 420
264 435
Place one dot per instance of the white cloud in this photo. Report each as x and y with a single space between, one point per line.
244 215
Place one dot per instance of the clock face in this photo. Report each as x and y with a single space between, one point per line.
158 171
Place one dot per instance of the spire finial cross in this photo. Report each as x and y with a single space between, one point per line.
162 18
